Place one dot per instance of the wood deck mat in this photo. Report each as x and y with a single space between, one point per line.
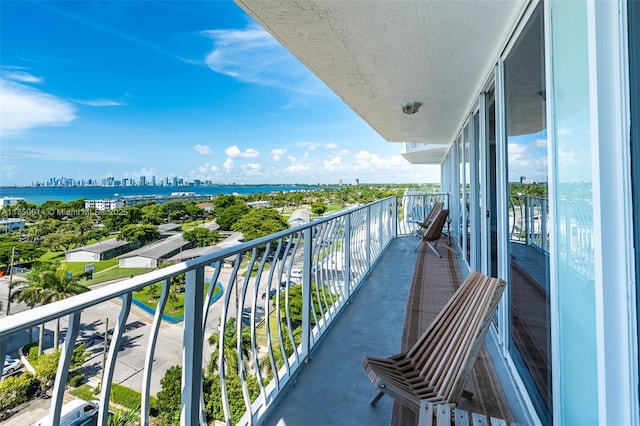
434 282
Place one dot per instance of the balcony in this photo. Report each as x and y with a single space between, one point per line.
424 153
294 355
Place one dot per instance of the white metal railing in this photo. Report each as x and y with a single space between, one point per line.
283 290
414 208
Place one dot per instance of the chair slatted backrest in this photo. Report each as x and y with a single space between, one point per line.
435 228
435 209
447 350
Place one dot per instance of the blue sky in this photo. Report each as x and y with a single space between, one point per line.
191 89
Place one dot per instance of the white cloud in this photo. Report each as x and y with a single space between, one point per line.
298 167
228 164
251 169
23 108
16 74
276 154
253 55
331 146
334 165
234 152
142 172
99 102
371 161
202 149
208 168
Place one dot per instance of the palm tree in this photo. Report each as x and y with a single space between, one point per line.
49 284
230 348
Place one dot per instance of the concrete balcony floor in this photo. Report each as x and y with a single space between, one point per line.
333 388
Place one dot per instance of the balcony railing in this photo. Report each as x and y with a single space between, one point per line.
280 293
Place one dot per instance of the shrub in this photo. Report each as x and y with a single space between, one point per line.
26 349
76 379
13 391
130 398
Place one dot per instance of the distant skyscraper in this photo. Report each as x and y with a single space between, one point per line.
143 181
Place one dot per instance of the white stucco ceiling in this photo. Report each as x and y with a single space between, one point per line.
380 55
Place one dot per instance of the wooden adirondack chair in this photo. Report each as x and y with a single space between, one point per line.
424 225
434 231
439 364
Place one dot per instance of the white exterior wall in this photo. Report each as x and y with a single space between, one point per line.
82 256
138 262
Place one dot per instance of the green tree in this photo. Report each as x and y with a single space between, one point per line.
97 234
152 214
228 216
115 220
46 284
139 234
24 252
222 202
202 237
318 208
259 223
43 228
61 241
169 398
53 208
76 205
180 209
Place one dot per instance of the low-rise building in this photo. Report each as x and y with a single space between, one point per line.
11 224
99 251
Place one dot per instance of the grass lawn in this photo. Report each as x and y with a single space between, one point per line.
84 392
175 303
192 224
78 267
116 273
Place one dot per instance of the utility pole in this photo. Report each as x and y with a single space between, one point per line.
13 254
104 350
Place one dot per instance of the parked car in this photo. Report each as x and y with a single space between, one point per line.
272 294
75 412
11 366
259 312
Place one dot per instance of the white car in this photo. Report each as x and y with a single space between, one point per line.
73 413
11 366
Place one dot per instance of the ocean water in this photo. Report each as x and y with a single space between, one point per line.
66 194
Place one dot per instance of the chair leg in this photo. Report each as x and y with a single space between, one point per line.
433 248
375 399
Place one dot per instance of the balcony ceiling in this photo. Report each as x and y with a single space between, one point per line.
380 55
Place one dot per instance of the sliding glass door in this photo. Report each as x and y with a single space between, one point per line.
528 212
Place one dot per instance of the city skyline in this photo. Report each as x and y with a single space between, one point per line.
196 90
149 181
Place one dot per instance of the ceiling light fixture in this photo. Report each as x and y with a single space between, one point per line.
411 108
